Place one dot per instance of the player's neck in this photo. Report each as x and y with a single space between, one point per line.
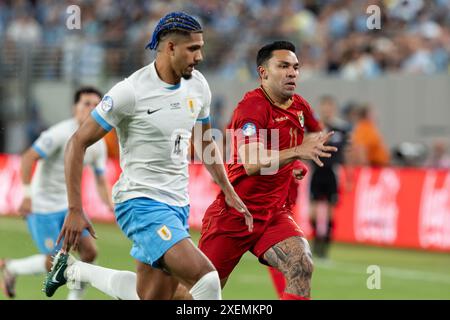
280 102
165 72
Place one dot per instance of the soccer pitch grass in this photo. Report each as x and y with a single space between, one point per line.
405 274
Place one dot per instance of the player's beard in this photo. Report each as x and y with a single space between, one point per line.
186 76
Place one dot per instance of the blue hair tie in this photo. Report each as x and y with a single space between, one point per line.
173 21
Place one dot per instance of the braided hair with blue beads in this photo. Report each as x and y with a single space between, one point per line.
175 22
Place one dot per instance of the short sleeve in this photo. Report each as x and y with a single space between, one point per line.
311 122
49 141
250 120
117 104
99 162
203 116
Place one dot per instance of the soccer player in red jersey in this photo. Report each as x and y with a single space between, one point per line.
269 112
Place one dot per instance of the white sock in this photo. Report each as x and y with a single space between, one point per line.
117 284
77 294
207 288
29 265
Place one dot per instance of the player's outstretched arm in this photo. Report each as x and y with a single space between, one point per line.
76 221
213 161
258 160
26 167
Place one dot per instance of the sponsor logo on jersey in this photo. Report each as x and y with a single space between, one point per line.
175 105
152 111
301 118
107 104
249 129
165 233
279 119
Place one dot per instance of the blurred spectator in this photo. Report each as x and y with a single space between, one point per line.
332 35
439 157
24 30
368 147
350 114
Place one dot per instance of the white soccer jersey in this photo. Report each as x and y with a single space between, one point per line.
153 121
49 193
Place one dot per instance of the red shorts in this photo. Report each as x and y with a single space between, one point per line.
225 236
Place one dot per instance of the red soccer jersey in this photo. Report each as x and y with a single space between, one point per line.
263 193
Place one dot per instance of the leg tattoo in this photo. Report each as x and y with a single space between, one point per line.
293 258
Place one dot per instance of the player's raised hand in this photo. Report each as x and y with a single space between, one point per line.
313 147
25 207
74 224
233 200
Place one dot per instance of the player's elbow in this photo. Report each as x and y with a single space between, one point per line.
75 146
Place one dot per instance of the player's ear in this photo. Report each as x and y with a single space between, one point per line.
262 72
170 48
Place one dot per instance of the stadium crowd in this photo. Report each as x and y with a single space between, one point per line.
332 35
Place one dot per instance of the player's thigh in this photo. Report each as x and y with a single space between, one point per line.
154 284
281 230
186 262
225 238
154 227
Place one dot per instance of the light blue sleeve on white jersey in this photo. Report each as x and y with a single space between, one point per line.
203 116
101 156
49 141
117 104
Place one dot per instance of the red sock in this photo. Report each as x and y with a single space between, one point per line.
291 296
278 281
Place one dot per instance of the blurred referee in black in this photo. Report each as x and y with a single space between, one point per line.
324 180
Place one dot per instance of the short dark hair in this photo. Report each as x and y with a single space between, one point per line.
265 53
85 90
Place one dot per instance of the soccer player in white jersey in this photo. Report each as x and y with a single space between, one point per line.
45 200
154 112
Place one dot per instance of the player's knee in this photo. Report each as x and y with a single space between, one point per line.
299 269
88 254
306 262
207 288
307 267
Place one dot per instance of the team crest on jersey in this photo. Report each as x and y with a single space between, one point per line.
249 129
107 103
165 233
301 118
191 106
